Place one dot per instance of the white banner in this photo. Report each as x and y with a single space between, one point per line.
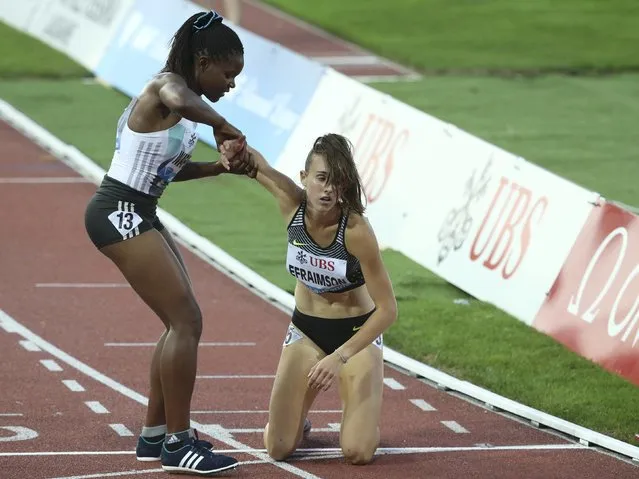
80 28
19 14
495 225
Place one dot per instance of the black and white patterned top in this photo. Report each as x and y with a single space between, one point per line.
323 270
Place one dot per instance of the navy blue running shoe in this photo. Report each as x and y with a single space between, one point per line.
195 459
147 451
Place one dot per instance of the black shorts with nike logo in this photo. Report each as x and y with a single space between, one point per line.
117 212
328 334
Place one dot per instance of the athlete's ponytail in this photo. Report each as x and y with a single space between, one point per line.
201 34
342 172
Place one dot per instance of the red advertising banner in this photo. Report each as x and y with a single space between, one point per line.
593 306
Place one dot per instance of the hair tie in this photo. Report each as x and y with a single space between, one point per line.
206 20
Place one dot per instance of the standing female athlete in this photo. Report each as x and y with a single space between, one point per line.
344 300
154 141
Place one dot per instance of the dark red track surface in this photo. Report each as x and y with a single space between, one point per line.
43 242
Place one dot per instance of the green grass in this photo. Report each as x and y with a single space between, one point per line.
579 128
584 129
22 55
530 35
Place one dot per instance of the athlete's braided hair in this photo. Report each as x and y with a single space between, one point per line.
202 34
342 171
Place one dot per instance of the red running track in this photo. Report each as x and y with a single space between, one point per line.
73 390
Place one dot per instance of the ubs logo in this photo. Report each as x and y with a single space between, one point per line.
459 221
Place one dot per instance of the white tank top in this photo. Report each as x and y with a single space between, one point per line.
147 162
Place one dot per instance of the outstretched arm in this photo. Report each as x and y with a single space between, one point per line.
283 188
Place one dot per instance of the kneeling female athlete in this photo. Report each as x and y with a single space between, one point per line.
344 301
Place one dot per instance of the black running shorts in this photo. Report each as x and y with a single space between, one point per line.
117 212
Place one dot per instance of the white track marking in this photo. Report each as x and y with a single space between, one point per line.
73 385
393 384
11 414
348 60
82 285
217 433
455 427
327 450
112 474
29 346
237 376
19 434
51 365
134 345
423 405
264 411
47 180
121 429
96 407
260 430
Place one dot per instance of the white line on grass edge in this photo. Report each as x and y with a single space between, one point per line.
221 260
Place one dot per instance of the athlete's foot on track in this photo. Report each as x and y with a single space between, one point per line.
307 426
194 459
147 451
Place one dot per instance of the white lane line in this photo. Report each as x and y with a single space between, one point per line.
133 345
455 427
82 285
112 474
259 430
96 407
264 411
327 450
51 365
217 433
423 405
348 60
237 376
393 384
7 327
29 346
73 385
44 180
11 414
121 429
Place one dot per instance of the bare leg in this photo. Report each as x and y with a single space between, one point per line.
155 415
154 272
291 398
361 387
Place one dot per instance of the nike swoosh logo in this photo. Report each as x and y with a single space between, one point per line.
296 243
355 328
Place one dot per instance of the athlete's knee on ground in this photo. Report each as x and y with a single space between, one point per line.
359 452
278 446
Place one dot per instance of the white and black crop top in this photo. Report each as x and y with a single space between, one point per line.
323 270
